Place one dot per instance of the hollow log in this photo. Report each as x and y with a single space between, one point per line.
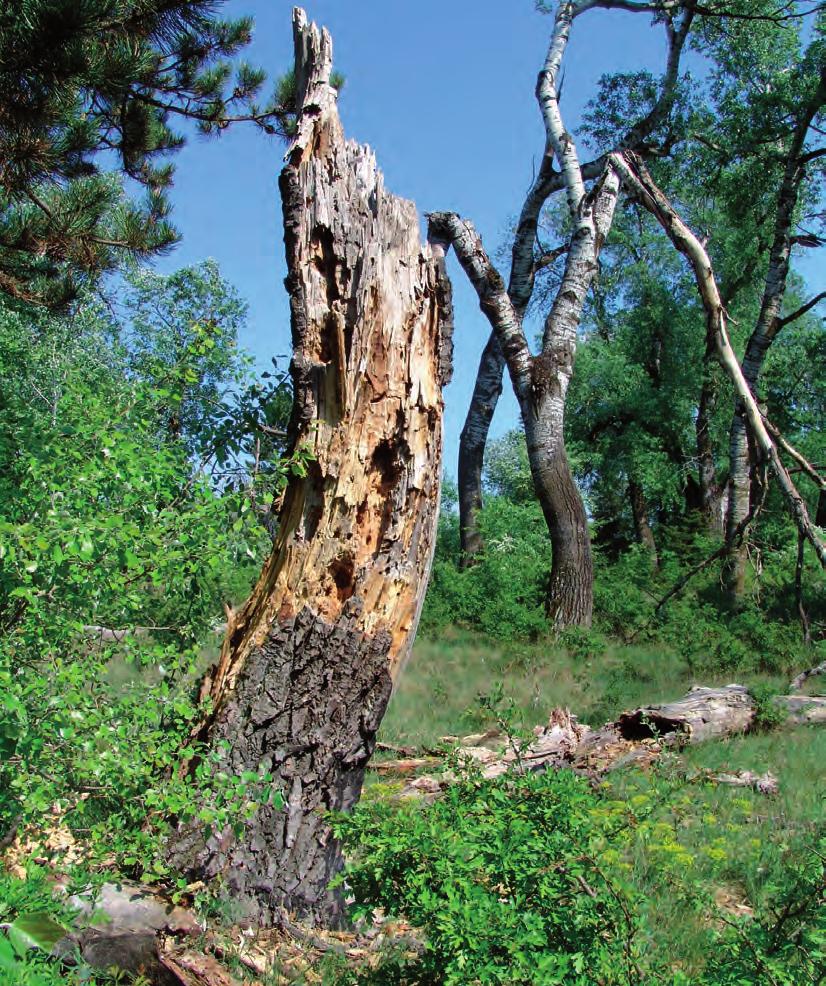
702 714
635 738
308 663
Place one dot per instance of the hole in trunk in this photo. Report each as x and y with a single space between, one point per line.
385 461
342 572
639 726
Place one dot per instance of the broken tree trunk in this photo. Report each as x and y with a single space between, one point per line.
309 661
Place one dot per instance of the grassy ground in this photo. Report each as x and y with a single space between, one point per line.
439 693
732 841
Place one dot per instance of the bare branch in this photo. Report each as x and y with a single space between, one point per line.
783 13
110 634
805 465
800 312
547 95
549 257
798 682
447 228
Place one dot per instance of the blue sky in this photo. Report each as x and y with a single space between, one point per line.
443 91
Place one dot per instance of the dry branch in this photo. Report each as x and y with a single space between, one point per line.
798 682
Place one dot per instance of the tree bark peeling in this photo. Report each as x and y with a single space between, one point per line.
309 661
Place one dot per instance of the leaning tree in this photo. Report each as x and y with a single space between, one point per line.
541 380
309 661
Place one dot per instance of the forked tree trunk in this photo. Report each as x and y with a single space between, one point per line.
309 661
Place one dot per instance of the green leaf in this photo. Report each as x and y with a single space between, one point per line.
7 959
36 931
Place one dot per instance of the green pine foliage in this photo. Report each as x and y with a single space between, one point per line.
88 86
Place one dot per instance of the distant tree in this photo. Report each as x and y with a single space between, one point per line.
90 94
181 333
747 172
725 141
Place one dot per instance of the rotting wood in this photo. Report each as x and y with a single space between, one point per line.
803 709
635 738
309 661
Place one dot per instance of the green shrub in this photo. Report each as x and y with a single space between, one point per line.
768 714
503 592
20 966
541 879
505 879
784 942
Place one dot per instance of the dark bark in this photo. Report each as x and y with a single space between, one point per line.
309 661
639 510
570 599
472 443
711 495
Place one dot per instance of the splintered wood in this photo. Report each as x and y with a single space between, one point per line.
309 661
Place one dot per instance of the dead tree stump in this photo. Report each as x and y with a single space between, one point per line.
309 661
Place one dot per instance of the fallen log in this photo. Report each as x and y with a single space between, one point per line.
702 714
635 738
803 709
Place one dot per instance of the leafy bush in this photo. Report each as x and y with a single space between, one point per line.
541 879
502 595
127 518
503 592
784 943
505 879
22 899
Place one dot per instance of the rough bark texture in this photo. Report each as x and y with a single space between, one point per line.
309 661
472 443
541 384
